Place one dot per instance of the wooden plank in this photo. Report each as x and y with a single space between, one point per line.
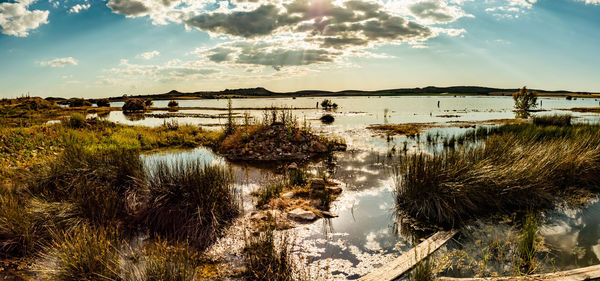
409 259
579 274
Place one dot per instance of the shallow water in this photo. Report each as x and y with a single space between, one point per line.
365 235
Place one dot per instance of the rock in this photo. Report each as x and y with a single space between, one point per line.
334 189
300 214
328 214
293 166
288 195
317 183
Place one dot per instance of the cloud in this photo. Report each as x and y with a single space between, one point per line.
270 54
511 8
59 62
593 2
78 8
17 20
172 70
436 11
149 55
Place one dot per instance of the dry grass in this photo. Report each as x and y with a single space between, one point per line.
410 129
518 167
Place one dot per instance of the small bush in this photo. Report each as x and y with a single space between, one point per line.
77 102
134 105
148 102
173 103
189 201
327 118
76 121
327 104
525 100
553 120
103 103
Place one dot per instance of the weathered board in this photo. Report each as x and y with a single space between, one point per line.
409 259
579 274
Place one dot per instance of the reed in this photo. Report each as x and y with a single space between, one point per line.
188 201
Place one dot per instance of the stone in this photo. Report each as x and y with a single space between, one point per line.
328 214
300 214
293 166
334 189
317 183
288 195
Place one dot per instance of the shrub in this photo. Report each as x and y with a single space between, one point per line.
173 103
327 118
84 254
189 201
560 120
76 121
525 100
148 102
103 103
134 105
77 102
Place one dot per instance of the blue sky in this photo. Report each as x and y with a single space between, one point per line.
107 48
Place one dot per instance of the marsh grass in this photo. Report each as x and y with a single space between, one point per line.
268 191
515 167
162 261
188 201
423 271
527 243
85 254
553 120
268 256
96 183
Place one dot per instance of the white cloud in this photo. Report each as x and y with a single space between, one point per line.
148 55
593 2
78 8
17 20
59 62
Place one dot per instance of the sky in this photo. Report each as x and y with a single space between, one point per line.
101 48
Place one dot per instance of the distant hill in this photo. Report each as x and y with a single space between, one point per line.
262 92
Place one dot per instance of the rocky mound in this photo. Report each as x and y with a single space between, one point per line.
276 143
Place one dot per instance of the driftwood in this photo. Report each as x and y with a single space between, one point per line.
579 274
408 260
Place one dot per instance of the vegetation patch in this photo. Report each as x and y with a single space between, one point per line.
278 138
409 129
515 168
188 201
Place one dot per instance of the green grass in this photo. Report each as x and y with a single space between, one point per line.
189 201
513 168
527 243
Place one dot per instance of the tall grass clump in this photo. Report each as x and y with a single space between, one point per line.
97 183
269 191
560 120
76 121
85 254
26 223
189 201
423 271
161 261
268 258
527 242
526 168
